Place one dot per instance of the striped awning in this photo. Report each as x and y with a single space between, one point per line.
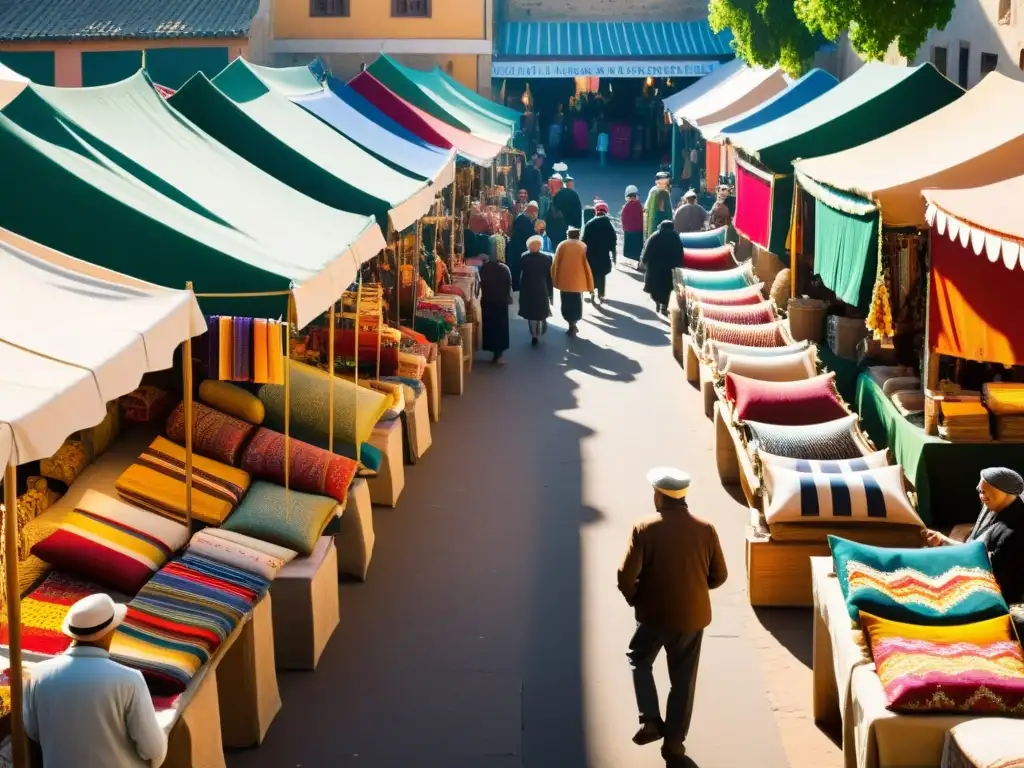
618 40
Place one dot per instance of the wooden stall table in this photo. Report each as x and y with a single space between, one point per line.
432 382
387 486
417 433
691 360
452 370
468 349
307 610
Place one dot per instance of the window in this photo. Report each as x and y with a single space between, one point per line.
328 7
1005 11
939 56
412 8
989 61
963 65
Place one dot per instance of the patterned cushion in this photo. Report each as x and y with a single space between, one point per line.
725 280
874 495
232 400
935 586
746 314
831 441
875 460
264 515
766 335
311 469
145 404
43 611
811 401
988 742
716 348
752 294
709 259
97 439
712 238
67 463
792 367
156 481
242 552
973 668
112 543
215 435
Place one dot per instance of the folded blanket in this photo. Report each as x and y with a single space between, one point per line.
156 481
242 552
43 611
1004 399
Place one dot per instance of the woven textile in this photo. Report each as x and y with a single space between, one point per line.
765 335
875 460
831 441
792 367
156 481
709 259
724 280
750 314
751 294
180 618
67 463
289 519
215 435
241 552
715 349
713 238
937 586
973 668
311 469
43 611
811 401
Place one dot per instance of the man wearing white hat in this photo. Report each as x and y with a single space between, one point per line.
690 216
672 562
86 710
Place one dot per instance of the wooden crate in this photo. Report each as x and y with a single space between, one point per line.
779 572
306 609
468 348
387 486
452 374
691 362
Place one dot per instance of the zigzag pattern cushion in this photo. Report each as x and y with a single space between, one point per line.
751 294
709 259
716 349
830 441
749 314
766 335
875 495
975 668
792 367
811 401
180 618
938 586
712 238
875 460
725 280
215 435
311 469
112 542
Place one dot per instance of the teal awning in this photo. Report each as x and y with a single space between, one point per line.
612 40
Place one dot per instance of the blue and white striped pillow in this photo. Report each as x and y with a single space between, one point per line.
875 460
875 495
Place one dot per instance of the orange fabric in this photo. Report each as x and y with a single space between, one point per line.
714 160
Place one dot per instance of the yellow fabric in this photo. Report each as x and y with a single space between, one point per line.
958 410
261 369
232 400
98 438
999 629
227 339
67 463
135 547
275 353
1005 399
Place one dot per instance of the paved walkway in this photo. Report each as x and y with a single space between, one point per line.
490 633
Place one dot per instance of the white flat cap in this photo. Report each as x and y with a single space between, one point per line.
93 617
670 481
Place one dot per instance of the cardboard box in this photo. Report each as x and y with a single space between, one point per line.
417 432
195 739
306 609
468 348
387 486
452 378
353 532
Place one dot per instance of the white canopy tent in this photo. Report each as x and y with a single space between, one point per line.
721 74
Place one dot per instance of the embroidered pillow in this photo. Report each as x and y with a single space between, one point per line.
709 259
975 668
875 496
725 280
311 470
747 314
830 441
766 335
242 552
792 367
713 238
145 404
232 400
812 401
282 553
264 515
715 349
751 294
937 586
215 435
875 460
111 542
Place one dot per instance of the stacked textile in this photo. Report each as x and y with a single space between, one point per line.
1005 401
43 611
965 421
244 349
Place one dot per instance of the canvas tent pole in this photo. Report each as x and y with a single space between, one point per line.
288 400
330 374
451 245
186 365
794 248
19 750
416 270
359 301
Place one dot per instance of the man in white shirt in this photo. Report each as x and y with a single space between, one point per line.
86 710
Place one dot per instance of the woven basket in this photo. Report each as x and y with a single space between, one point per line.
806 319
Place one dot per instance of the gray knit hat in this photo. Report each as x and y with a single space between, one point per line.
1003 479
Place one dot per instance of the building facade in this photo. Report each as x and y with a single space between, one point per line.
455 35
72 43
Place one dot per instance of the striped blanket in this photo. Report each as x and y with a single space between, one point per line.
181 617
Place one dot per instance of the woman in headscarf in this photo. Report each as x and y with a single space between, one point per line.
632 225
602 241
571 275
663 252
659 204
536 291
495 296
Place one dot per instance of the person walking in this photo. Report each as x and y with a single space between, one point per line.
690 216
632 216
659 204
536 291
541 229
495 297
85 710
720 215
557 225
523 228
602 242
567 202
571 275
533 178
673 560
662 253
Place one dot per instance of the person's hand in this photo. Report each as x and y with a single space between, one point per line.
933 538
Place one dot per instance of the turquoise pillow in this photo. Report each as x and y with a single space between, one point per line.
726 280
938 586
715 238
263 515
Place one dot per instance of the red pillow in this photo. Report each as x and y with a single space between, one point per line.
709 259
311 469
750 314
787 403
750 295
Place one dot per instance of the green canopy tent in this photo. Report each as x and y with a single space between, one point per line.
422 90
286 141
482 103
876 100
116 177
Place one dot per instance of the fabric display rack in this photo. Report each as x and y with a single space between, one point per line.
246 440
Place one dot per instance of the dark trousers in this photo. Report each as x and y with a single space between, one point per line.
683 653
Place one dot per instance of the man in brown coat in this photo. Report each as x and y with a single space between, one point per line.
673 561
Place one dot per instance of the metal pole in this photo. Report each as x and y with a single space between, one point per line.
359 300
795 248
19 747
330 378
416 270
288 400
451 246
186 364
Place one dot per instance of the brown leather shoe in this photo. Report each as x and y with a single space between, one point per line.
648 733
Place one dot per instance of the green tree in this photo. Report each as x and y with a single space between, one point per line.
766 32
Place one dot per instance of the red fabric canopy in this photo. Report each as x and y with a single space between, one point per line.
714 164
753 206
427 127
974 312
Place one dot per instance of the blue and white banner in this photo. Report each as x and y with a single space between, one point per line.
601 68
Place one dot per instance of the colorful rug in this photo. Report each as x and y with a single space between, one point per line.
43 611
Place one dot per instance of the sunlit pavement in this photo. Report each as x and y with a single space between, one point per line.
490 633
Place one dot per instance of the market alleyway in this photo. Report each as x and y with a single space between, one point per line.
490 633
